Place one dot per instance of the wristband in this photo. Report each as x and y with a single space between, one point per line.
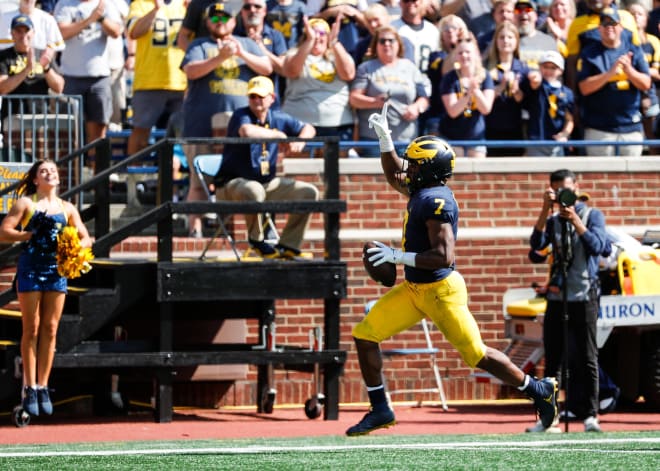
407 258
386 144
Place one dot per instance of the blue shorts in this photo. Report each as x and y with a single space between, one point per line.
43 280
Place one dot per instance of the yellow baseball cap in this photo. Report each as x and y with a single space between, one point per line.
260 85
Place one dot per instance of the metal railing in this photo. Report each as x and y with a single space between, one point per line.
40 126
374 150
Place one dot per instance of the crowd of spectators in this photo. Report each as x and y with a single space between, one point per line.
461 69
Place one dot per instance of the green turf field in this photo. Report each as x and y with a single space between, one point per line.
636 451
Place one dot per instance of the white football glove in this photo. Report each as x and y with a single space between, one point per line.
379 124
383 254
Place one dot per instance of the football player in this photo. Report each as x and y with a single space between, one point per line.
432 287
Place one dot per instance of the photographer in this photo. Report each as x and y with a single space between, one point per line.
578 237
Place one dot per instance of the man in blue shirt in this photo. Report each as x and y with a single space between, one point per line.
612 73
248 171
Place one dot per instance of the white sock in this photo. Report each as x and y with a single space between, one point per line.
525 384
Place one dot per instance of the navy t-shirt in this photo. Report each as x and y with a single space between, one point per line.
467 126
616 106
506 112
244 160
547 107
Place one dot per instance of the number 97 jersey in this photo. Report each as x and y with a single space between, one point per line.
157 58
438 203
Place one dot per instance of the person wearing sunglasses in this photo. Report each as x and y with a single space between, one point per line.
376 16
612 75
318 74
393 79
251 24
584 30
533 42
218 69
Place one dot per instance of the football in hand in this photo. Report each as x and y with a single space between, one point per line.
385 273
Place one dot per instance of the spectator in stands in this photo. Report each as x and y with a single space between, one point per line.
389 78
477 14
651 46
422 33
218 68
467 94
158 81
248 171
20 71
319 71
551 106
286 16
452 29
251 24
504 122
194 23
352 26
612 73
653 26
585 29
47 39
86 26
36 219
117 61
376 16
533 43
393 8
502 11
48 5
558 22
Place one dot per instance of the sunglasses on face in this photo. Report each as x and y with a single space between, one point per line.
224 19
386 40
607 23
254 96
521 10
250 6
408 1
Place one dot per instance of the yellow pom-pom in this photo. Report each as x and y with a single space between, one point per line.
72 259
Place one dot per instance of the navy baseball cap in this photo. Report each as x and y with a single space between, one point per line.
22 20
220 9
610 13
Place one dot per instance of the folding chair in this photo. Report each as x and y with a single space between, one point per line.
430 351
206 166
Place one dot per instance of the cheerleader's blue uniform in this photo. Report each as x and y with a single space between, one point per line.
37 263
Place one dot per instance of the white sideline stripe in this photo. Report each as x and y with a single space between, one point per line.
259 449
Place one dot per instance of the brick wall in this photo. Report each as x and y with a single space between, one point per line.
500 200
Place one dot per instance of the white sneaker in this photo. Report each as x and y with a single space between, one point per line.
539 428
591 425
570 414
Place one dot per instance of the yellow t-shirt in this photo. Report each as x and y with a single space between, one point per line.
157 58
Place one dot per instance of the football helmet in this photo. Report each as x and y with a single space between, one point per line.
434 161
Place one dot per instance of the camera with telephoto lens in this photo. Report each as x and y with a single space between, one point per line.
566 197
